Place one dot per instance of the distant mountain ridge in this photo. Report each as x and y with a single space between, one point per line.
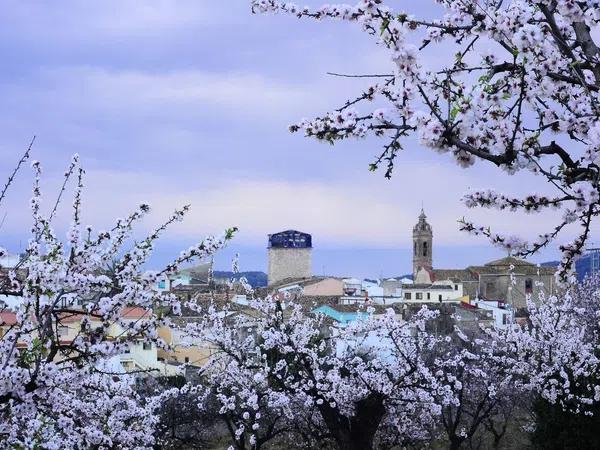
255 278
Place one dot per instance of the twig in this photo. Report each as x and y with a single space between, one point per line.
24 158
346 75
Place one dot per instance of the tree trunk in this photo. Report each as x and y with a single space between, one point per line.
455 443
356 432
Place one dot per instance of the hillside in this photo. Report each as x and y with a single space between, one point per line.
255 278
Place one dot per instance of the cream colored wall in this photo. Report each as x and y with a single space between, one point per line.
328 286
422 277
289 263
197 354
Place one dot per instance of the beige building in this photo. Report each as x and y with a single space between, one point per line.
7 320
183 350
313 287
290 256
139 356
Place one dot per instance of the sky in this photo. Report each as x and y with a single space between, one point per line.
189 102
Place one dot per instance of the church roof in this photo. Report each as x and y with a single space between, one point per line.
499 266
509 261
503 266
455 274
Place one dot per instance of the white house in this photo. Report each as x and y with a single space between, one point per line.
439 291
140 356
503 314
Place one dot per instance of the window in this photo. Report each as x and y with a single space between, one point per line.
127 350
419 296
429 296
490 289
415 249
528 286
187 359
147 346
407 296
456 287
440 297
63 331
161 284
425 249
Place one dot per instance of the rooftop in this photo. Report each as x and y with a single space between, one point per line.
290 239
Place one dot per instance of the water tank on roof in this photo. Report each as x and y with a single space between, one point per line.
290 239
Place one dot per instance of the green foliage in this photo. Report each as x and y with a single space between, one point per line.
453 112
384 25
230 232
28 357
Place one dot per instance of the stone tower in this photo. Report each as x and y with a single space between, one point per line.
422 245
290 256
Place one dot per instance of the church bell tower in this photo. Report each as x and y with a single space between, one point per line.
422 245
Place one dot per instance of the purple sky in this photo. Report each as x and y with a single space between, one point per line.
189 102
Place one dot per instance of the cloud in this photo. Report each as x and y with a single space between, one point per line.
188 102
360 211
89 20
95 90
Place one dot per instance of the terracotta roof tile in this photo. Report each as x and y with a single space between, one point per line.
8 318
134 312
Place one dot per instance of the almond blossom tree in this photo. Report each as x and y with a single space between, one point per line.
522 93
65 389
382 382
484 388
554 355
279 358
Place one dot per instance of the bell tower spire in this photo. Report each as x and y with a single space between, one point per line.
422 244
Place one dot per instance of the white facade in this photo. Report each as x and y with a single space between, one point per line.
440 291
140 356
503 316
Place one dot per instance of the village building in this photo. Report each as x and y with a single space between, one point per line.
312 287
508 280
186 281
140 355
290 256
7 320
183 349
